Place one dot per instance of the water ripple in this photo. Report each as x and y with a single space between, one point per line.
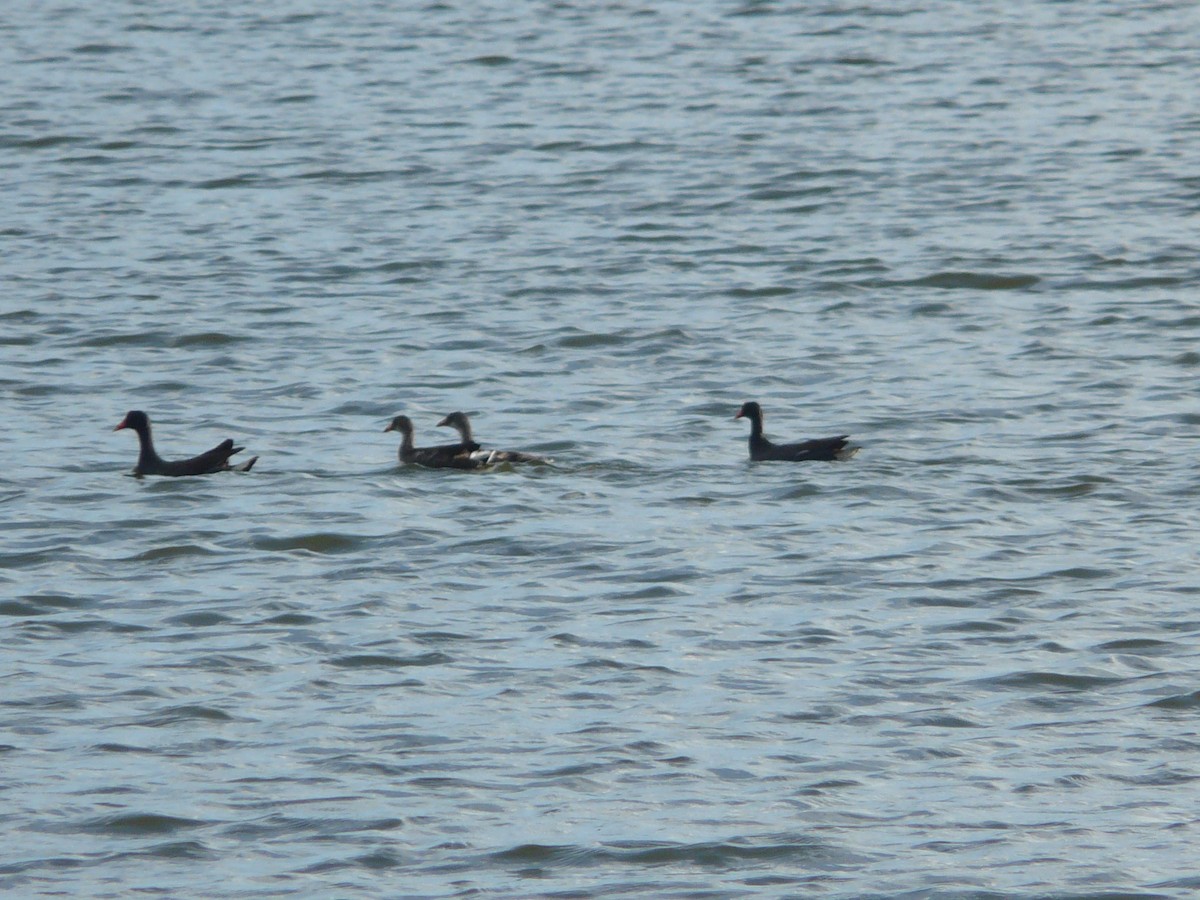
951 666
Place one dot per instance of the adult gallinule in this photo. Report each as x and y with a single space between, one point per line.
460 422
819 448
448 456
150 463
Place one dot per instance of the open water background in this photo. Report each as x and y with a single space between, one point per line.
962 664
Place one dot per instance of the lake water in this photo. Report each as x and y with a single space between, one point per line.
962 664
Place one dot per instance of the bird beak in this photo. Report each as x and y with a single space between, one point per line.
445 421
122 425
739 414
390 427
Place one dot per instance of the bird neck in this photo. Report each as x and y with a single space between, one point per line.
406 444
146 452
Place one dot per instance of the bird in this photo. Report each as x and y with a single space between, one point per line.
150 463
448 456
820 448
460 422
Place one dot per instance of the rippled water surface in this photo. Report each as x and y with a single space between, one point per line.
961 664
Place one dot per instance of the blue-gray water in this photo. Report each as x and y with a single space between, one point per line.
962 664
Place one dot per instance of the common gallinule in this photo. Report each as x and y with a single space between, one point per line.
819 448
460 422
448 456
150 463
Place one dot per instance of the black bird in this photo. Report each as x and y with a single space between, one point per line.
150 463
460 422
448 456
819 448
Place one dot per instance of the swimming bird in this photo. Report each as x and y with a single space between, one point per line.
460 422
448 456
150 463
820 448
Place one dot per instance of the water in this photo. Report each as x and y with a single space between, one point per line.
961 664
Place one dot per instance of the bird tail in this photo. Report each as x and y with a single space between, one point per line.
245 466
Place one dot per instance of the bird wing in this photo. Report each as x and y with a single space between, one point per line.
213 460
